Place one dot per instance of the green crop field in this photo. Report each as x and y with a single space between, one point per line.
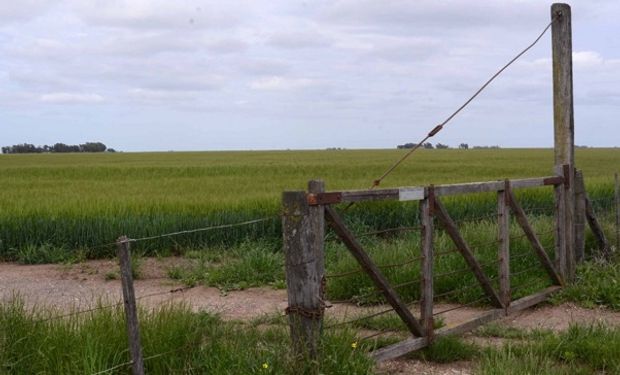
78 201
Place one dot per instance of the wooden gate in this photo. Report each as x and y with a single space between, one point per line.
304 219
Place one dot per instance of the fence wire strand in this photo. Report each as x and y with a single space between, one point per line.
439 127
114 305
204 229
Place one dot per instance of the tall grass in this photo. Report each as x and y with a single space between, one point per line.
81 201
579 350
189 343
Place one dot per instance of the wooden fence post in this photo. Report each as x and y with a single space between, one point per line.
503 218
131 310
597 230
580 217
560 229
426 302
303 239
564 124
617 199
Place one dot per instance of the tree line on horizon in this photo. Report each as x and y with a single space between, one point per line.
27 148
439 146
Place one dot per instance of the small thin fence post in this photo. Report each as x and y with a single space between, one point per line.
303 240
617 199
131 311
580 217
503 218
426 302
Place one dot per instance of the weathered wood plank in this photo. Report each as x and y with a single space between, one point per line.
416 193
563 123
580 217
560 227
303 235
406 346
597 230
491 186
617 200
503 218
531 236
131 309
370 195
373 272
563 117
534 299
426 303
450 227
569 196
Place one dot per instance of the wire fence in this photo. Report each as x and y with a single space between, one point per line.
171 292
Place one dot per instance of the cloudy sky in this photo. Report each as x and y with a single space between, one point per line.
248 74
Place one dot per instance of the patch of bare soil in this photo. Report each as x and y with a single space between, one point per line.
82 286
407 367
559 318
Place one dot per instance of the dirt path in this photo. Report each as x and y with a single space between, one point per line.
81 285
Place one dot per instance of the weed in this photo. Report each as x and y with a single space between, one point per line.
597 284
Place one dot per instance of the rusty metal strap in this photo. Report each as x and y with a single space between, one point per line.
316 313
324 198
558 180
311 313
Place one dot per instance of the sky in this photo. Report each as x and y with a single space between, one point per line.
158 75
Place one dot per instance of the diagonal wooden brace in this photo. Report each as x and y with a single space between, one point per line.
371 269
446 221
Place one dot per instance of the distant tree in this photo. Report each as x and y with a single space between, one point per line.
60 147
464 146
93 147
406 145
441 145
27 148
428 145
486 147
111 150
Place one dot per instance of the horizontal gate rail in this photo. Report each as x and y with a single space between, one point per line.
417 193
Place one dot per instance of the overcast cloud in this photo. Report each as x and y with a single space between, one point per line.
212 75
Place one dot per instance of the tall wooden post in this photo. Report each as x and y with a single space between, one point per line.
131 310
503 219
303 234
563 120
426 221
